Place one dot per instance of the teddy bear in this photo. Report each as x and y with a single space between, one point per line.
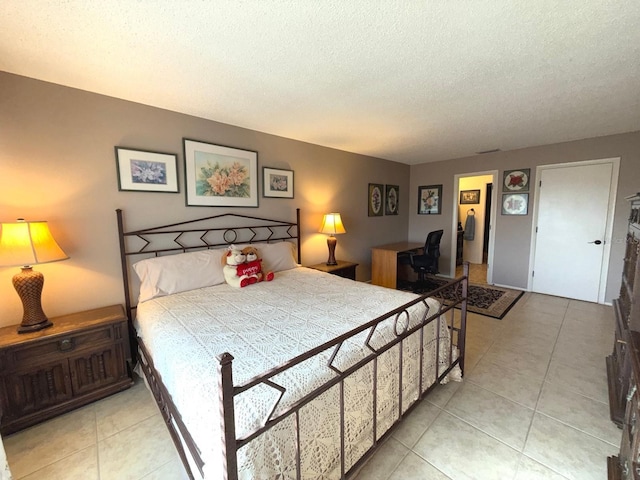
253 266
232 262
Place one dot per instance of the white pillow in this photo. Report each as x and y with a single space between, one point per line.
275 256
160 276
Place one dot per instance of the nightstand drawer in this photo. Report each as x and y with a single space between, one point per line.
348 272
59 347
342 269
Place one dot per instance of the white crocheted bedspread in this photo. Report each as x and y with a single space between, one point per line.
266 324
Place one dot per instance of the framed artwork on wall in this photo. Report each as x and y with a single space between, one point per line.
220 176
516 180
144 171
515 203
429 200
375 200
469 196
277 183
391 199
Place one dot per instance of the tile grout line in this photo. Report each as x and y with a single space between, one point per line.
501 396
474 428
411 449
92 408
573 427
400 462
542 387
524 455
97 444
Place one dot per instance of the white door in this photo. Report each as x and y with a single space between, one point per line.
573 203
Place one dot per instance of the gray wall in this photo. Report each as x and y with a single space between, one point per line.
513 233
57 163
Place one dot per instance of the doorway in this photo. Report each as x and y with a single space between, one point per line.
473 215
572 229
487 223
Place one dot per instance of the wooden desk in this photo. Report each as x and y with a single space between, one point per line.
384 262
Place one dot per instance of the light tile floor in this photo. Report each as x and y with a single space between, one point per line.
533 406
477 273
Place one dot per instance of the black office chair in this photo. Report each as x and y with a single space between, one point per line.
427 263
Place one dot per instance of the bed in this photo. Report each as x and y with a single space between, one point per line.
301 377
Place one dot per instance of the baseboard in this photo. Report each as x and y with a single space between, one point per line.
510 287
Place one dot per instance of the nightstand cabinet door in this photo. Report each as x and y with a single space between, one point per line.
97 369
32 391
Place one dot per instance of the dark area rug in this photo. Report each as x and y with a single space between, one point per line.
485 300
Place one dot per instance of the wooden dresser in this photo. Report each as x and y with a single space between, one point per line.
623 365
81 358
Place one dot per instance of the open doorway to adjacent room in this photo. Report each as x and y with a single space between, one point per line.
473 215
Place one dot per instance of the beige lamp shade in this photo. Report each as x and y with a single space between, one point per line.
29 243
332 224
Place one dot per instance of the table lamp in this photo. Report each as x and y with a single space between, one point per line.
29 243
332 225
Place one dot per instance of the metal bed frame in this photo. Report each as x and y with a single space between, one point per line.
188 236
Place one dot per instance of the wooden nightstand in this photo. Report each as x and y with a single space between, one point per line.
342 269
81 358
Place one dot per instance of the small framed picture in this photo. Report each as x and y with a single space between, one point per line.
219 176
516 180
469 196
429 200
277 183
391 199
144 171
515 203
375 200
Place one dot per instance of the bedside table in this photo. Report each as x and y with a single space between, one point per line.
81 358
342 269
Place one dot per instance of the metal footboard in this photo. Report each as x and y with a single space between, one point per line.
455 327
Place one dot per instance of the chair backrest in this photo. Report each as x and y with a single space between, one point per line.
432 244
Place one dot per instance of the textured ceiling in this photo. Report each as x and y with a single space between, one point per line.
409 81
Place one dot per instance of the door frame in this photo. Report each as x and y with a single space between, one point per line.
613 192
493 213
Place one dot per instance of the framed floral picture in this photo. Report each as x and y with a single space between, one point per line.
515 203
375 200
516 180
391 199
219 176
429 202
469 196
144 171
277 183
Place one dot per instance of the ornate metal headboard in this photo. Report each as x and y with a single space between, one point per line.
199 234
